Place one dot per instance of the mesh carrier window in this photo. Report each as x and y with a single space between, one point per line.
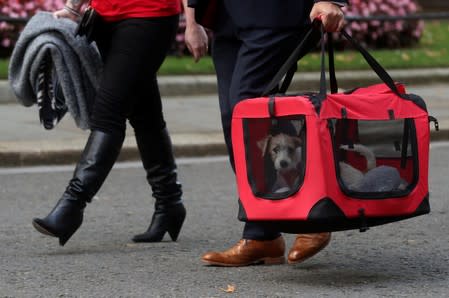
275 155
375 159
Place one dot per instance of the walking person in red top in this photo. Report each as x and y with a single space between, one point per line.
133 38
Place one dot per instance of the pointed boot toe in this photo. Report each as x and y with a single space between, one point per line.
63 236
63 221
40 226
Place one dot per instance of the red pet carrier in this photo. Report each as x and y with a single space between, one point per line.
326 162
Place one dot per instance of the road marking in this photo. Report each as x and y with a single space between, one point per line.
118 165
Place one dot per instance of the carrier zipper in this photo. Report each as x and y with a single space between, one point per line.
305 94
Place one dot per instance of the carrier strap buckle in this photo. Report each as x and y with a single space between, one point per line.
271 110
271 106
391 114
363 223
344 113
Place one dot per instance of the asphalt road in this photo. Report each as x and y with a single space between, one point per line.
404 259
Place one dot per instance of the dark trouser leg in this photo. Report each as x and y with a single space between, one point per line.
141 51
157 157
154 144
155 147
246 61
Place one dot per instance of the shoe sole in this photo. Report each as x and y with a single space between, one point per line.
263 261
309 256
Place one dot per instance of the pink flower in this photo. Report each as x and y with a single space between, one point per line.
21 9
6 42
384 33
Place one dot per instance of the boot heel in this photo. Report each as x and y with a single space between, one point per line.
175 228
274 261
63 239
164 220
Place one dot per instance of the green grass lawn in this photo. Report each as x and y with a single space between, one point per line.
430 52
3 68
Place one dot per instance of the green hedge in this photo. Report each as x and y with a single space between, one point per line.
430 52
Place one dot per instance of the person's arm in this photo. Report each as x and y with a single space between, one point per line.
71 10
195 36
330 14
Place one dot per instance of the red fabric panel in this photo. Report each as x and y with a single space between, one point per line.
351 133
356 160
256 132
284 106
378 88
320 179
369 104
299 204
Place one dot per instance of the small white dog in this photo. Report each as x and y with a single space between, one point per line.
285 152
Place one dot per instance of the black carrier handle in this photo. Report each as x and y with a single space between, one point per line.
290 65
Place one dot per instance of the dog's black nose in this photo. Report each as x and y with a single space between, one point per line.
284 164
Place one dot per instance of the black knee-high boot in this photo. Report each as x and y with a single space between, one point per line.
100 154
169 212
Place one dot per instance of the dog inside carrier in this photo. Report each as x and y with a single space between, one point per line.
275 153
315 162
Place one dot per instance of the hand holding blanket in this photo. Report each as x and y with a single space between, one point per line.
74 62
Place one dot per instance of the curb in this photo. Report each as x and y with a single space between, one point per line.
305 81
30 153
33 158
19 154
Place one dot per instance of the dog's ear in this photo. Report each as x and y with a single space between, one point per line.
263 144
299 124
297 141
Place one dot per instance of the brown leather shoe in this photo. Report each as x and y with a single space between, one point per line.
248 252
307 245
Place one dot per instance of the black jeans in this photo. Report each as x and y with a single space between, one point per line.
245 61
132 51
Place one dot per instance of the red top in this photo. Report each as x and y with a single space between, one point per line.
115 10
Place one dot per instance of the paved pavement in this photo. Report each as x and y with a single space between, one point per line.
407 259
191 111
404 259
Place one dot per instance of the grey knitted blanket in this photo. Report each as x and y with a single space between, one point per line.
76 64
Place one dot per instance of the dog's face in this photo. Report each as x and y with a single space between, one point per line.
283 150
